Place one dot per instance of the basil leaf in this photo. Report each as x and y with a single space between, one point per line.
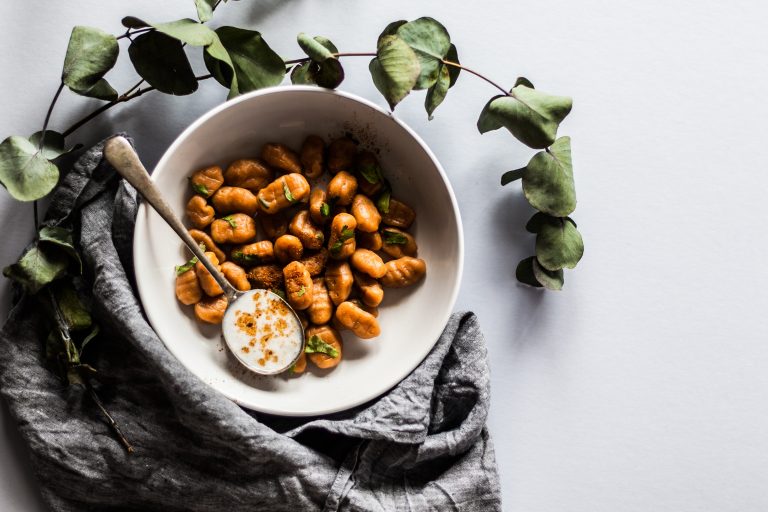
232 222
301 292
315 345
371 173
287 193
325 209
345 235
264 204
382 203
199 188
186 267
394 238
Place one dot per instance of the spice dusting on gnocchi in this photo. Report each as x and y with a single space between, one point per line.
329 251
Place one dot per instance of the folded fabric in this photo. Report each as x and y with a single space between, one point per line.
421 446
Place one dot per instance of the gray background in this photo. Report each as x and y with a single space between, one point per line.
643 385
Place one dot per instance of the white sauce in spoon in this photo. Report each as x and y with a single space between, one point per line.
262 332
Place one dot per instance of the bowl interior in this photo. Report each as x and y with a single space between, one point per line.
411 319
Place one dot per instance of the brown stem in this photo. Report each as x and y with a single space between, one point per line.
127 96
350 54
128 33
110 420
48 115
457 65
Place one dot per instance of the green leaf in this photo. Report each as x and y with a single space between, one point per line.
558 244
551 280
74 313
346 234
395 69
54 145
382 202
314 49
205 9
37 267
327 44
548 180
24 171
330 74
199 188
219 64
91 335
431 42
264 203
524 272
521 80
160 60
186 267
133 22
245 259
62 238
304 73
301 291
510 176
447 77
187 31
392 237
325 209
531 116
390 30
371 171
535 222
287 193
436 94
90 54
315 345
232 222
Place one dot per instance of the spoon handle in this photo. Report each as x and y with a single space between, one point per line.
124 159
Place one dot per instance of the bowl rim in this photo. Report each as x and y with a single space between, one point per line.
144 210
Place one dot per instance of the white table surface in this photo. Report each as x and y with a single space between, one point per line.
642 386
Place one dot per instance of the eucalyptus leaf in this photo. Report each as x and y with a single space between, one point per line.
548 180
535 222
453 71
219 64
90 54
558 244
395 69
549 279
62 238
314 49
37 267
521 80
431 42
254 63
205 9
91 335
530 115
330 74
53 146
160 60
304 74
24 171
510 176
390 30
74 313
524 272
187 31
134 22
436 94
327 43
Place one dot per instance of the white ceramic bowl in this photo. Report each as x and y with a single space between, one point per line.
411 319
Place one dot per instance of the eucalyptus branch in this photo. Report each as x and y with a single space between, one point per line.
48 115
471 71
110 420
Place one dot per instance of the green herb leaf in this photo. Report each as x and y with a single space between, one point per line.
314 49
199 188
254 64
37 267
186 267
315 345
430 41
382 202
62 238
304 73
264 204
231 220
301 292
54 145
524 272
74 313
551 280
187 31
245 259
90 54
521 80
325 209
346 234
392 237
287 193
531 116
24 171
160 60
395 70
548 180
205 9
371 172
558 244
510 176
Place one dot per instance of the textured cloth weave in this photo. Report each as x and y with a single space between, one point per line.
421 446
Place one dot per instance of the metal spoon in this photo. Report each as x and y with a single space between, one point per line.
243 334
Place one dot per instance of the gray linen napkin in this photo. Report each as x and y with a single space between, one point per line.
421 446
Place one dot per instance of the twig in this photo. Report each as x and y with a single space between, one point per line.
34 206
128 33
457 65
110 420
48 116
